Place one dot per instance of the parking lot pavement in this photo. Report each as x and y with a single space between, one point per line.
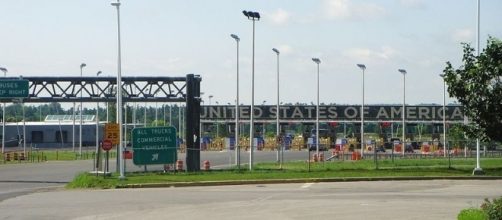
435 199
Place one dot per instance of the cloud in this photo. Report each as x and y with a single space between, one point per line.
285 49
385 53
462 35
279 17
413 4
346 10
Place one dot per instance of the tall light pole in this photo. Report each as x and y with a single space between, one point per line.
81 107
278 128
119 93
97 123
444 114
144 117
4 70
478 170
363 68
317 61
210 97
253 16
73 128
237 147
402 71
156 113
170 115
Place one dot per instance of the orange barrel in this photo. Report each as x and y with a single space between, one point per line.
22 156
167 167
356 155
15 156
7 158
207 165
398 148
426 148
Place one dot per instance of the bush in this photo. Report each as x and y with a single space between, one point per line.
493 209
472 214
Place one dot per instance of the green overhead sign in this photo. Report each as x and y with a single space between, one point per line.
154 145
14 88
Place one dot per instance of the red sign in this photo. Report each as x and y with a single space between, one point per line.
107 145
333 123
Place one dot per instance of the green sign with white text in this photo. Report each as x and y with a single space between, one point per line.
154 145
10 88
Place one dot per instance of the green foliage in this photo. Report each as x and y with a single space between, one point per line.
477 86
457 135
85 180
472 214
493 208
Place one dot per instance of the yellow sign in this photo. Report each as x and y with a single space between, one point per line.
112 132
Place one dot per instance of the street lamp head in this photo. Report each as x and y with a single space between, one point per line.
3 69
235 37
98 73
316 60
403 71
82 65
116 4
362 66
276 51
442 75
251 15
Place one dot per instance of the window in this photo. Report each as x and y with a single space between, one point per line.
37 136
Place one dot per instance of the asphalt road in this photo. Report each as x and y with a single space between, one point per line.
437 199
25 178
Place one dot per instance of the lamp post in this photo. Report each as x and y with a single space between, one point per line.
156 113
210 97
363 68
317 61
477 170
4 70
97 125
402 71
144 117
253 16
119 92
81 107
170 115
73 128
278 128
237 147
444 114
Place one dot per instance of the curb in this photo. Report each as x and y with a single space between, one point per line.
306 180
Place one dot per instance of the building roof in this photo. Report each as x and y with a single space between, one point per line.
66 118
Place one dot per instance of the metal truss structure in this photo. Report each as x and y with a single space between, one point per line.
103 89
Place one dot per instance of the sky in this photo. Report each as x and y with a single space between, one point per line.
179 37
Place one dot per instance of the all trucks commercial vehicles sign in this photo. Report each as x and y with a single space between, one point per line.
154 145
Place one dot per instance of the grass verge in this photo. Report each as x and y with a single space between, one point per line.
298 171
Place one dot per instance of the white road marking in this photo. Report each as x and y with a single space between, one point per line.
307 185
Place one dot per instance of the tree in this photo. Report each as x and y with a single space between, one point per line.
476 84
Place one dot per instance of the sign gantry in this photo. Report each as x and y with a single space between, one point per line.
102 89
135 89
